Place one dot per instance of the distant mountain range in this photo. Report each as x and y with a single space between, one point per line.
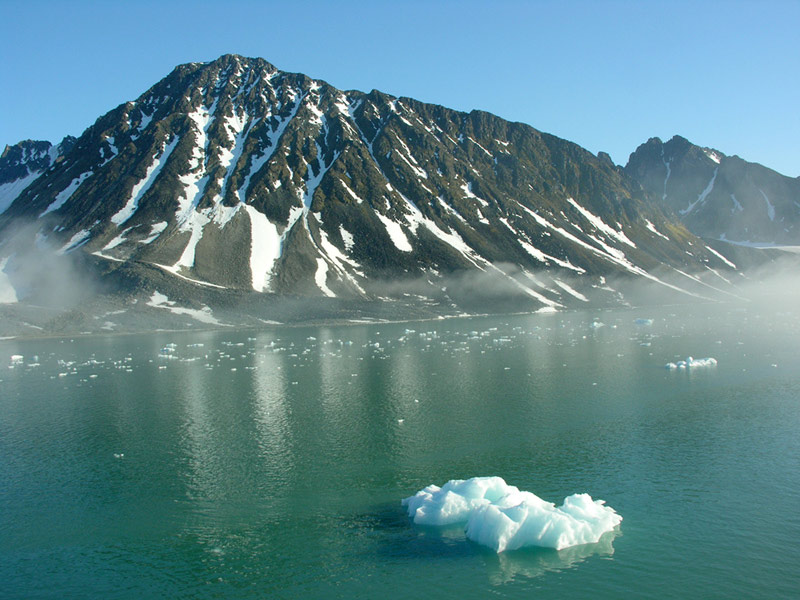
233 184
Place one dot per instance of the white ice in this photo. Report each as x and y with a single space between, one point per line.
690 363
502 517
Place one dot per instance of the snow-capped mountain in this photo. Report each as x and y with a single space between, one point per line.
23 163
233 176
717 196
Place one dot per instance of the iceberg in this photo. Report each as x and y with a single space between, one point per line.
691 363
502 517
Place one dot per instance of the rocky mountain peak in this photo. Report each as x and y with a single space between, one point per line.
233 175
719 196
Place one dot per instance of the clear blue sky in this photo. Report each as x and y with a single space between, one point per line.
605 74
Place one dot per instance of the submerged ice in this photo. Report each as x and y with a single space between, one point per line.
502 517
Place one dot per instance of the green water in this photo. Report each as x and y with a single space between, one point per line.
271 464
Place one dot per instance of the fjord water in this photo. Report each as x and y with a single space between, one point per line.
272 464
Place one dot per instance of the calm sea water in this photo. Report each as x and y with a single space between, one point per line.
271 464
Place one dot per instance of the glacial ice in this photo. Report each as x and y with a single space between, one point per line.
502 517
691 363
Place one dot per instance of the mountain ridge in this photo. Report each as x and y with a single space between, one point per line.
233 175
719 196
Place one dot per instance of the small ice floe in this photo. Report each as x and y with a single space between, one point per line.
690 363
502 517
168 351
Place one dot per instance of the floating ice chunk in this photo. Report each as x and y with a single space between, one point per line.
692 362
502 517
527 520
455 500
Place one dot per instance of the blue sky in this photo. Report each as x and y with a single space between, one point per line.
605 74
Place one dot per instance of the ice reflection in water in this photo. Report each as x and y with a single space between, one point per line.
534 562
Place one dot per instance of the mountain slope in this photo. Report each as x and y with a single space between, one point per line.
235 176
718 196
23 163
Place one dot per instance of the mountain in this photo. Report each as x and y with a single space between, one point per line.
234 184
22 163
718 196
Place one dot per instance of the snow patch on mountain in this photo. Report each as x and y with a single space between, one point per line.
143 185
570 290
194 223
652 228
265 248
66 193
321 277
196 180
11 190
715 156
76 241
155 230
722 258
701 198
347 238
770 207
272 139
204 315
601 225
396 233
468 193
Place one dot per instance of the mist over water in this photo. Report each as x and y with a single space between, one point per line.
36 272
